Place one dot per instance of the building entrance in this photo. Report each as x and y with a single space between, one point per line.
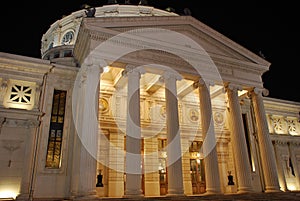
197 168
197 176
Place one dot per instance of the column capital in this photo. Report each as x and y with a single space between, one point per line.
233 87
169 75
201 82
93 62
133 69
260 91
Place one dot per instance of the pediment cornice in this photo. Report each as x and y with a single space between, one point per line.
177 23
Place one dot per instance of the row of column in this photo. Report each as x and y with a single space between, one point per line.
133 165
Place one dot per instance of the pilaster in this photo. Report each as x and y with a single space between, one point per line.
116 165
152 187
186 167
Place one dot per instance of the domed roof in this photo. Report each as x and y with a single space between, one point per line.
63 32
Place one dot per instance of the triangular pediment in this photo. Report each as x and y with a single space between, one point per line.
234 62
215 43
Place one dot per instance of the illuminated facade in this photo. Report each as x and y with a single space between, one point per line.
174 117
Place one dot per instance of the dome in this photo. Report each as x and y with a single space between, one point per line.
58 41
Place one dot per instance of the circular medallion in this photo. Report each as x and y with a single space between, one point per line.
194 115
103 105
219 118
163 112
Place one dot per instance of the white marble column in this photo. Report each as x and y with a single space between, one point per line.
174 158
212 176
238 138
267 155
279 162
87 120
133 134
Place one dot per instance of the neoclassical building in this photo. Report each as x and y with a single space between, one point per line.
130 100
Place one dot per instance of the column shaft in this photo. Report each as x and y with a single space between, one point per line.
133 135
84 173
239 142
89 135
174 162
212 176
265 144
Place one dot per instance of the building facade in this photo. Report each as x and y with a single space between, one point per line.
136 101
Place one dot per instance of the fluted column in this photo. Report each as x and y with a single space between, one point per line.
281 177
89 135
84 170
239 141
212 176
174 162
133 134
265 145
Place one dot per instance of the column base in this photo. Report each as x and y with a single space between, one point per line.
23 197
87 196
231 189
212 191
133 194
244 190
273 191
175 192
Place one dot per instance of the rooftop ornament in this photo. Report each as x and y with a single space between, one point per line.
143 2
89 11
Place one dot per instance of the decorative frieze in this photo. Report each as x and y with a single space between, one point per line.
283 125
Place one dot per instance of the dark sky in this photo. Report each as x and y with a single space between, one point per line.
271 29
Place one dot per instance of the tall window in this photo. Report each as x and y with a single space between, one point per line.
53 159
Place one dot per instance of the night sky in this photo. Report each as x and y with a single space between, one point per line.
269 29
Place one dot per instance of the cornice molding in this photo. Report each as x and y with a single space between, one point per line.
157 21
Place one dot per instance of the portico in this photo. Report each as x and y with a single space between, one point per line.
153 103
147 95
